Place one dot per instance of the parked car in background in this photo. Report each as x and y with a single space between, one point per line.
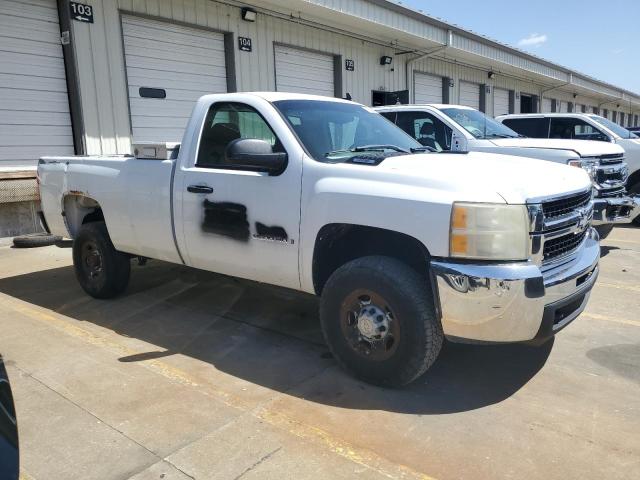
582 126
403 247
460 128
634 130
9 457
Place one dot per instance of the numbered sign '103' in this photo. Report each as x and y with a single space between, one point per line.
81 12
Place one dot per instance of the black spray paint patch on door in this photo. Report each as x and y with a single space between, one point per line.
275 233
226 218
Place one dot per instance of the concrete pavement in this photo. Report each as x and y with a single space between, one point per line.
196 375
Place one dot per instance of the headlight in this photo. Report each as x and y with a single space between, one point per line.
489 231
590 165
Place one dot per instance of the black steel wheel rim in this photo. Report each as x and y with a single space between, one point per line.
369 325
92 261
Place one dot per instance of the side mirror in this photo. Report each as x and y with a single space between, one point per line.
254 154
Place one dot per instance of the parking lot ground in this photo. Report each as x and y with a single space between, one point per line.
196 375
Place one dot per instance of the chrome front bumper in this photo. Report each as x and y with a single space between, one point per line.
615 210
514 302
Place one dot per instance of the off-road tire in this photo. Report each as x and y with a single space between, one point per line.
603 230
115 266
35 240
635 190
410 297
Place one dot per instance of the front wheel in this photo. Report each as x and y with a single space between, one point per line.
635 190
603 230
101 270
379 321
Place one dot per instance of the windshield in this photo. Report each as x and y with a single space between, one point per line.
478 124
337 131
614 127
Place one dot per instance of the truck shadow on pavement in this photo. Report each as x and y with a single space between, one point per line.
270 337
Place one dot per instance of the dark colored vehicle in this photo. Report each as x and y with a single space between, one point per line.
9 459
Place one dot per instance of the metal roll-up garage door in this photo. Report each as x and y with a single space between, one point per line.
546 105
34 106
470 95
427 88
168 68
303 71
500 101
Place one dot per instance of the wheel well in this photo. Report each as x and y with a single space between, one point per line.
80 209
339 243
633 179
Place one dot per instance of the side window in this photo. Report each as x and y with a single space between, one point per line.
574 128
226 122
529 127
427 129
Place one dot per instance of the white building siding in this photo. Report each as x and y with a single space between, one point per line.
34 106
103 83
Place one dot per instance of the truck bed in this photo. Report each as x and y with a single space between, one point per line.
134 195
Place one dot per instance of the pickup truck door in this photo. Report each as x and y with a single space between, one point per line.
239 222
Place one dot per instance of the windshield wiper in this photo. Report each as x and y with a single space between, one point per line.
499 135
368 148
426 148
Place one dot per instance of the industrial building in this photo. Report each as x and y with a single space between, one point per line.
92 77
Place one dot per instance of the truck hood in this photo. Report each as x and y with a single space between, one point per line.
515 179
584 148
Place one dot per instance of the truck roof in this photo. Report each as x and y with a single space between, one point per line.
438 106
556 114
275 96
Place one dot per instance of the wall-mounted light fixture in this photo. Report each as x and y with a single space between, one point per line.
385 60
491 74
249 14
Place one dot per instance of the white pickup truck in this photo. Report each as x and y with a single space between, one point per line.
458 128
325 196
582 126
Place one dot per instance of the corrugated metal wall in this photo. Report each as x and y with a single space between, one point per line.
100 58
101 67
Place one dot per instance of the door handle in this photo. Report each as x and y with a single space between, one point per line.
199 189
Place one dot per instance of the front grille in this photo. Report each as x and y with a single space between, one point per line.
602 176
560 246
611 158
557 208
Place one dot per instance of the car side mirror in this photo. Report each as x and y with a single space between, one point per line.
256 155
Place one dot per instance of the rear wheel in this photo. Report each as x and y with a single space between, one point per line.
379 321
101 270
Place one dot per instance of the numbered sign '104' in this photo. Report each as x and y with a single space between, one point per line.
81 12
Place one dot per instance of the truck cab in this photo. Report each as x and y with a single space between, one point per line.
582 126
445 127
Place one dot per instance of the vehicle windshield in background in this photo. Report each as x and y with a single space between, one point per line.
478 124
336 131
614 127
